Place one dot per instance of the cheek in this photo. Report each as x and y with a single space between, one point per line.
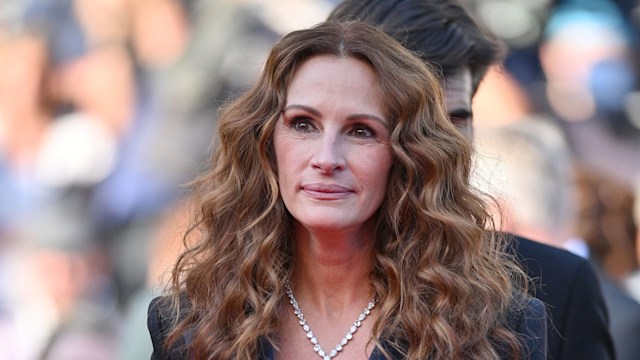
279 148
286 155
385 159
375 168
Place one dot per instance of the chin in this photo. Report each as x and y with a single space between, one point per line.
328 224
332 221
321 221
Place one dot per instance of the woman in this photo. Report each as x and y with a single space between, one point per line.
338 202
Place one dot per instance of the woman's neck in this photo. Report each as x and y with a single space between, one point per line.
331 286
331 269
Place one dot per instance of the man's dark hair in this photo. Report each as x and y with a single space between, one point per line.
442 32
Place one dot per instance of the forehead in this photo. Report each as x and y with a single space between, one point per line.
326 76
319 67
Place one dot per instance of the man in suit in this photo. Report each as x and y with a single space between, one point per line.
446 36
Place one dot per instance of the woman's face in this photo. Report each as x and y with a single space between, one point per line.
332 144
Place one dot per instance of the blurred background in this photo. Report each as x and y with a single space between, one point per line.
107 107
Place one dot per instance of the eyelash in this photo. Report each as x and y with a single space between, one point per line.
356 130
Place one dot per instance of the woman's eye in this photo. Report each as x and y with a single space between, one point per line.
302 124
362 132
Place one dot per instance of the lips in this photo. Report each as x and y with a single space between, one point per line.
326 191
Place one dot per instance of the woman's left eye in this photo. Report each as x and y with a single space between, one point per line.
362 132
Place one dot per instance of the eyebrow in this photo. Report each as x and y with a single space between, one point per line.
350 117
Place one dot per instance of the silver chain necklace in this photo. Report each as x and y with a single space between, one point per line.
316 346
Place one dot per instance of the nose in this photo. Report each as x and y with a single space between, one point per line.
329 154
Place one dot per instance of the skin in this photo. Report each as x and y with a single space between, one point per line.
458 93
332 146
333 158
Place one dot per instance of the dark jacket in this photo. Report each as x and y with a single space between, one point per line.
577 321
578 325
530 324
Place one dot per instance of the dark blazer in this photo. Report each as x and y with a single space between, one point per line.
530 324
160 321
578 325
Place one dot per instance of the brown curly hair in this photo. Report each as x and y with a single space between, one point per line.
444 283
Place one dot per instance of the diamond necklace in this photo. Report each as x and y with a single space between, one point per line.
316 346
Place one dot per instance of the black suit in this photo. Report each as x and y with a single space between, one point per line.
567 284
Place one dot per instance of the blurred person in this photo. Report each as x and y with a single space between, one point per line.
595 73
71 95
589 78
227 44
34 304
110 47
528 165
83 139
26 111
68 285
367 202
157 31
76 82
60 280
56 131
81 82
130 202
606 224
67 129
446 36
25 105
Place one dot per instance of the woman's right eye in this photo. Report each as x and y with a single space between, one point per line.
302 124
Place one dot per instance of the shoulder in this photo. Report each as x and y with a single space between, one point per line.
533 316
529 322
556 275
536 253
554 272
161 318
159 315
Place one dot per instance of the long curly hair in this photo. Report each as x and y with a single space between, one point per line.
444 283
